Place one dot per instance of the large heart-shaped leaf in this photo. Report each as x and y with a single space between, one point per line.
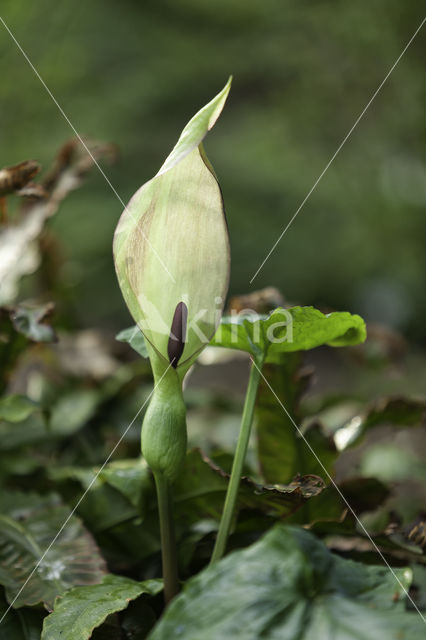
82 609
266 337
28 526
288 585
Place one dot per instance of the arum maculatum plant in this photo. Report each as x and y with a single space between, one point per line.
172 260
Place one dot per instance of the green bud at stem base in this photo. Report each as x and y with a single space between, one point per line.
164 436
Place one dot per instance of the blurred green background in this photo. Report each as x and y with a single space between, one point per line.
133 73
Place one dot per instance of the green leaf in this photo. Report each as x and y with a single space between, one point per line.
288 585
282 452
82 609
132 478
364 494
104 507
134 337
30 424
200 490
32 429
21 624
27 530
285 330
119 492
171 248
72 411
20 462
16 408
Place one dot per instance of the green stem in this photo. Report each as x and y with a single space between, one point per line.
168 543
237 466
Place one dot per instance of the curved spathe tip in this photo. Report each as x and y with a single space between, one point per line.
197 128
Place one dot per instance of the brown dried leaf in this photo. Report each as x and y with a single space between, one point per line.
19 252
17 176
32 190
262 301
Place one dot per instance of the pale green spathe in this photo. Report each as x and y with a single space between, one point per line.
171 243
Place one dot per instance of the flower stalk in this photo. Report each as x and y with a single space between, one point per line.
167 532
238 463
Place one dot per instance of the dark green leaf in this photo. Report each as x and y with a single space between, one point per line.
32 429
128 544
364 494
283 453
118 493
138 620
132 478
109 630
20 624
325 514
201 487
103 506
286 330
82 609
20 462
329 514
134 337
288 585
27 530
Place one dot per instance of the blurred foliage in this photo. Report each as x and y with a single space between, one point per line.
132 73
